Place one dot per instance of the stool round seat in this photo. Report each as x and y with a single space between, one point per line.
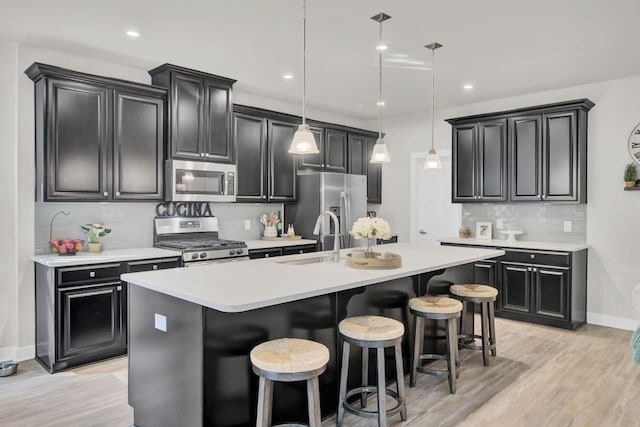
371 328
289 355
474 291
435 305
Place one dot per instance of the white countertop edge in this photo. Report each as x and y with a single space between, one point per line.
106 256
518 244
140 279
267 244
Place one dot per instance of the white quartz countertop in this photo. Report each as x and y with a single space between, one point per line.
545 246
116 255
247 285
266 244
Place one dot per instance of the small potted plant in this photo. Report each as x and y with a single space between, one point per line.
95 231
630 175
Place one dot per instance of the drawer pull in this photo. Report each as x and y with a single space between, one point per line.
155 267
119 288
532 256
92 274
266 255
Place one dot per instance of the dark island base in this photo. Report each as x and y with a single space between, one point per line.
198 372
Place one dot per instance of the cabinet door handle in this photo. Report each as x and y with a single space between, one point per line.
535 269
92 274
528 268
264 197
266 255
117 193
533 256
105 194
544 196
300 251
201 154
155 267
119 288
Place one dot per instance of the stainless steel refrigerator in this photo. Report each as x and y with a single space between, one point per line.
343 194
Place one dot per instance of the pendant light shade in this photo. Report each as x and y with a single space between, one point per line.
303 140
433 160
380 153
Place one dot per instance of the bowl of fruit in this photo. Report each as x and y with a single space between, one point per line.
66 246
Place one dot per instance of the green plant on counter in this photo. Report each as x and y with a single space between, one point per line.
630 173
94 231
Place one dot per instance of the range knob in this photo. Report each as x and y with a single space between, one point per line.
232 252
194 256
239 251
203 255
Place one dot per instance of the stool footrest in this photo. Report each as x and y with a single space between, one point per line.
469 345
372 414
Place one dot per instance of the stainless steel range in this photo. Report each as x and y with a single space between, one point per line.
198 240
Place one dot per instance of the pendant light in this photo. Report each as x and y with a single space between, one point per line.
303 140
433 160
380 153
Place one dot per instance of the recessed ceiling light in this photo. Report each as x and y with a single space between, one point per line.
380 103
287 76
133 33
381 47
467 87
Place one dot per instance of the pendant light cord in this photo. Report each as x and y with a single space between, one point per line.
304 60
380 84
433 95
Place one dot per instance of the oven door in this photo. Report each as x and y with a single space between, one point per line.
215 261
200 181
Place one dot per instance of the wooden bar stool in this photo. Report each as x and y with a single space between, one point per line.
435 308
289 359
485 296
372 332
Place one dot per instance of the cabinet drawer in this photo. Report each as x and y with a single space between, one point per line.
90 273
264 253
538 257
152 264
298 249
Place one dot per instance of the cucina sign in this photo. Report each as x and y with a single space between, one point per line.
185 209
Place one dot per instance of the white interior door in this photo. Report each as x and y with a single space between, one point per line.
433 216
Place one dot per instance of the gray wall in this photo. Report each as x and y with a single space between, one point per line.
540 222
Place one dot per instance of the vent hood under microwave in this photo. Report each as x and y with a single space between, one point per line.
189 181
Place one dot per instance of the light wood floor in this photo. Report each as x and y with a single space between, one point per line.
541 377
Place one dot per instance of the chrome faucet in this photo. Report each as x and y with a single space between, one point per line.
336 227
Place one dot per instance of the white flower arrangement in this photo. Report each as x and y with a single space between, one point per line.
370 228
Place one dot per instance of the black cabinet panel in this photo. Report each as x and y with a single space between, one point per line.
335 151
138 147
187 112
90 320
464 159
551 291
265 253
374 175
526 152
251 142
218 144
151 265
560 156
77 137
516 287
357 153
492 159
282 164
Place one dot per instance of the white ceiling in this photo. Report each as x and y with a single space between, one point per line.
502 47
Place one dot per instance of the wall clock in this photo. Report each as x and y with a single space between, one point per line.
634 144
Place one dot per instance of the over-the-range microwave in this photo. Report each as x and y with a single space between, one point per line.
189 181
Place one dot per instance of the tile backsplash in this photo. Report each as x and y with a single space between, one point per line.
540 222
132 223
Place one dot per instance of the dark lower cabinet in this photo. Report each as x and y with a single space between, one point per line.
545 287
285 250
91 321
97 139
81 311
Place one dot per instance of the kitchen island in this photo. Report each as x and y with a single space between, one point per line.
191 329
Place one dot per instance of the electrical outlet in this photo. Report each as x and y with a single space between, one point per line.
567 226
499 223
247 224
160 322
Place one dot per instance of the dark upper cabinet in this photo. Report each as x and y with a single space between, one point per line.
332 157
251 142
266 169
282 164
138 144
199 122
480 161
530 154
359 151
97 139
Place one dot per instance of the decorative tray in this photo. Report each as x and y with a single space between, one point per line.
280 239
391 261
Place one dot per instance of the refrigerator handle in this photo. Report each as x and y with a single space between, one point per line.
346 237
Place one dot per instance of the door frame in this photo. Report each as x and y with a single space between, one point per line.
414 197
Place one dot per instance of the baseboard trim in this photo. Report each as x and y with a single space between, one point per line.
17 354
613 321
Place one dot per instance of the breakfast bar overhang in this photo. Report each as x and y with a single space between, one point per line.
191 329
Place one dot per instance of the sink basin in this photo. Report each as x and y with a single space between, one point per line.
302 261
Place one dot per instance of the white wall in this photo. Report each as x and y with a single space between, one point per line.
17 311
613 232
